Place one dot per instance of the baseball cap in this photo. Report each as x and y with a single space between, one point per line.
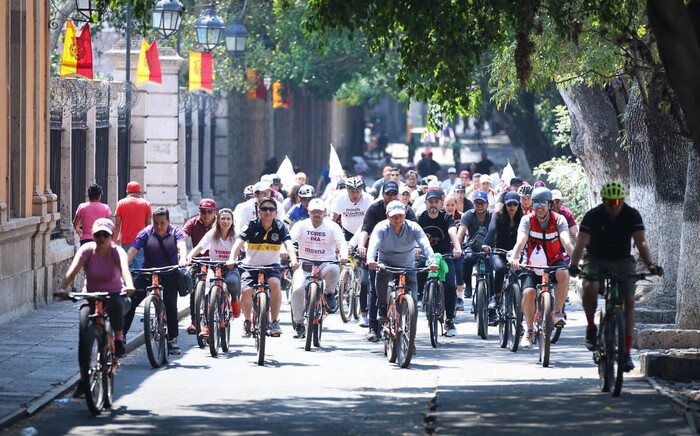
452 170
276 179
395 207
404 188
430 178
317 204
300 175
133 188
464 173
391 186
485 178
475 175
516 181
434 193
557 195
428 152
207 203
538 184
511 197
267 178
460 187
481 195
433 184
103 224
261 186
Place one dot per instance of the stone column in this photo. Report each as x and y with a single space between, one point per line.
112 179
221 172
65 202
90 137
195 189
206 102
181 155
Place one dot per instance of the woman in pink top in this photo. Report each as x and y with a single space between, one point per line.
88 212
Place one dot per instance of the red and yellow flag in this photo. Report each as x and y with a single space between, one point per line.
201 71
257 86
148 68
281 96
77 52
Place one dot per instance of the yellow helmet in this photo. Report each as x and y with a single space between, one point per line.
613 191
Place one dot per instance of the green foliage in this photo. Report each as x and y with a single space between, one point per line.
567 175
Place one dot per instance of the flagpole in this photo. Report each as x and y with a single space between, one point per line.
127 84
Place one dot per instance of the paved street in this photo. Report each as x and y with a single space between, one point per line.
466 386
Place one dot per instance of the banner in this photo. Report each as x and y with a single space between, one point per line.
148 67
256 86
201 72
286 173
77 52
281 96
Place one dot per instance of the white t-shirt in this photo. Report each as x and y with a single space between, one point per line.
219 250
351 214
318 243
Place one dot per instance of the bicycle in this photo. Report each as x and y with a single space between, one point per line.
434 304
399 330
155 325
97 358
218 309
286 279
349 289
544 308
609 354
200 302
510 309
480 298
261 317
315 302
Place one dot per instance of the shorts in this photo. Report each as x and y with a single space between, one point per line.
620 269
531 280
250 278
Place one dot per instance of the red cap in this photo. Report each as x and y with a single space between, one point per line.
207 203
133 188
464 173
428 151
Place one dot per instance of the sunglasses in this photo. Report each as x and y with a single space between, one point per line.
540 203
612 202
480 203
206 212
512 204
268 209
101 234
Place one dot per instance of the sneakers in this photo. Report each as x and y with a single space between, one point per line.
300 331
559 319
450 329
204 333
119 348
236 308
331 303
382 315
247 333
629 364
364 321
459 307
467 294
192 329
372 336
275 330
493 318
173 348
528 339
591 337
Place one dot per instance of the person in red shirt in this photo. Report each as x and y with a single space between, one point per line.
89 212
133 214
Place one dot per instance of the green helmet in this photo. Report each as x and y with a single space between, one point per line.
613 191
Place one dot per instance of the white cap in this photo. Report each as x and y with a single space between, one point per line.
317 204
267 178
433 184
556 195
103 224
395 207
485 178
261 186
452 170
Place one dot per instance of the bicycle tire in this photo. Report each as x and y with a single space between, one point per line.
199 309
390 335
505 315
226 324
154 332
260 326
313 292
431 312
599 355
109 363
345 297
482 310
516 322
617 356
356 290
406 334
545 332
94 370
214 318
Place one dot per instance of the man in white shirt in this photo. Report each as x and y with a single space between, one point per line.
318 239
451 180
247 211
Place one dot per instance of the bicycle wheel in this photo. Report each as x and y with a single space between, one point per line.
482 311
318 331
214 317
154 331
356 287
260 325
390 333
225 334
545 332
600 355
515 328
199 311
311 304
345 298
406 333
109 363
431 312
93 371
616 350
504 316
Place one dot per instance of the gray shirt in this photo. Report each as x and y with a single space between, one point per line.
397 250
562 225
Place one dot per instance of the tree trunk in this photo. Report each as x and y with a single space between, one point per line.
595 132
688 300
524 130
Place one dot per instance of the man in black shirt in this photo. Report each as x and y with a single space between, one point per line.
475 223
427 166
484 166
441 229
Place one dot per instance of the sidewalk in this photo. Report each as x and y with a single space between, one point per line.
39 357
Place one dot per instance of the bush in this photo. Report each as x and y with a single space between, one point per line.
566 175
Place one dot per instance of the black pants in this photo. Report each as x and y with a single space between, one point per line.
449 287
500 268
169 295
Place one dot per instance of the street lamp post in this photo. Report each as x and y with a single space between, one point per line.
271 128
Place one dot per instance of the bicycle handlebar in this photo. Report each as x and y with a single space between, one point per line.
157 270
257 268
400 270
319 262
607 275
77 296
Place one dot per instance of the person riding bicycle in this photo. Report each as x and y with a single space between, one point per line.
247 211
474 223
265 236
525 193
503 233
218 242
441 229
393 243
545 233
318 239
606 233
163 245
300 211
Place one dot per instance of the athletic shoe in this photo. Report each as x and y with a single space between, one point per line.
450 329
173 347
559 319
372 336
247 333
591 338
192 329
364 321
275 330
629 364
528 339
382 315
204 333
331 303
236 308
493 318
119 348
300 331
459 307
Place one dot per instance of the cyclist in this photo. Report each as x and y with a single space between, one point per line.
474 223
318 239
525 193
558 207
195 228
351 209
606 233
247 211
441 229
300 211
163 244
502 233
450 207
463 203
545 233
393 243
513 186
218 242
265 236
485 187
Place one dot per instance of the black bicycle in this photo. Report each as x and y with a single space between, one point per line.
349 289
261 317
510 309
480 298
315 301
200 301
544 304
434 304
217 309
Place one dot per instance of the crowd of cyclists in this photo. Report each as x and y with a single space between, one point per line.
403 216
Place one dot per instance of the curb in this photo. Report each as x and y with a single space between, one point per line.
689 409
39 403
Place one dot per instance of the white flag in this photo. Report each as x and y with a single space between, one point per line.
286 173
